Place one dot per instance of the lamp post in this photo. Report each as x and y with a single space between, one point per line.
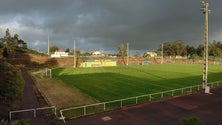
162 54
205 11
127 53
74 54
48 46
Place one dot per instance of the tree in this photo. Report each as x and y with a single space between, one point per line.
67 50
16 39
176 48
85 54
53 49
191 51
168 49
5 53
215 49
179 47
122 52
7 34
200 50
137 54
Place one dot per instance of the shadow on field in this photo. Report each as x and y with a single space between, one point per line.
110 86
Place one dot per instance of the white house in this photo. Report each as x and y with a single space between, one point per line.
97 53
151 53
59 53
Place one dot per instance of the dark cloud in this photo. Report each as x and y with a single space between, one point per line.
101 24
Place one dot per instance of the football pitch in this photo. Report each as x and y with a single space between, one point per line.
111 83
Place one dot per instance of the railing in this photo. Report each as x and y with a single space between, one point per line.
75 112
34 110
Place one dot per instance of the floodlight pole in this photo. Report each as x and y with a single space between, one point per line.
127 52
74 54
162 54
205 11
48 45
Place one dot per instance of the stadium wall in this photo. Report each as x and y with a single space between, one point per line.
98 63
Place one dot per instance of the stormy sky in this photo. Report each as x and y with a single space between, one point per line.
104 24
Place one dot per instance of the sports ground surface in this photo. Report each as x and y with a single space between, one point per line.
110 83
206 107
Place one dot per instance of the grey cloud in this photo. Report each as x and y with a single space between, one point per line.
97 24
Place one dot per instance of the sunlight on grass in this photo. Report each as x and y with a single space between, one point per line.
109 83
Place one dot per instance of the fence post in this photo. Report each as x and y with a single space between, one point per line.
191 89
121 103
55 111
161 95
104 106
10 116
136 100
46 74
34 113
63 118
182 91
150 97
84 110
50 73
172 93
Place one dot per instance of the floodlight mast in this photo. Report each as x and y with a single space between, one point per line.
162 54
74 54
48 46
205 10
127 53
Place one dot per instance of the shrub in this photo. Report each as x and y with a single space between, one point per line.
191 121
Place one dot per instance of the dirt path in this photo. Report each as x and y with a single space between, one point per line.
30 100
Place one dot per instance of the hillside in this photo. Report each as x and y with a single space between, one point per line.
11 87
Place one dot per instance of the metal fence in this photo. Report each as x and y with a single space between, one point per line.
75 112
34 110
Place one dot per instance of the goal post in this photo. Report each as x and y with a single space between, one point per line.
47 72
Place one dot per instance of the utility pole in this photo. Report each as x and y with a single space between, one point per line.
205 11
74 54
162 54
48 45
127 52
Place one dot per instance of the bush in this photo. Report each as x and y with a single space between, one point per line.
23 122
191 121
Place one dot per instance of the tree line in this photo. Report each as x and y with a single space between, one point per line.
179 48
172 48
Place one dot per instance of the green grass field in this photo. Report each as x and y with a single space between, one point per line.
110 83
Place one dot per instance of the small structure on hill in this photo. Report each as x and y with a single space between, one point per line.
98 63
150 54
59 53
97 53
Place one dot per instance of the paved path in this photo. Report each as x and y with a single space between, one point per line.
207 107
30 100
